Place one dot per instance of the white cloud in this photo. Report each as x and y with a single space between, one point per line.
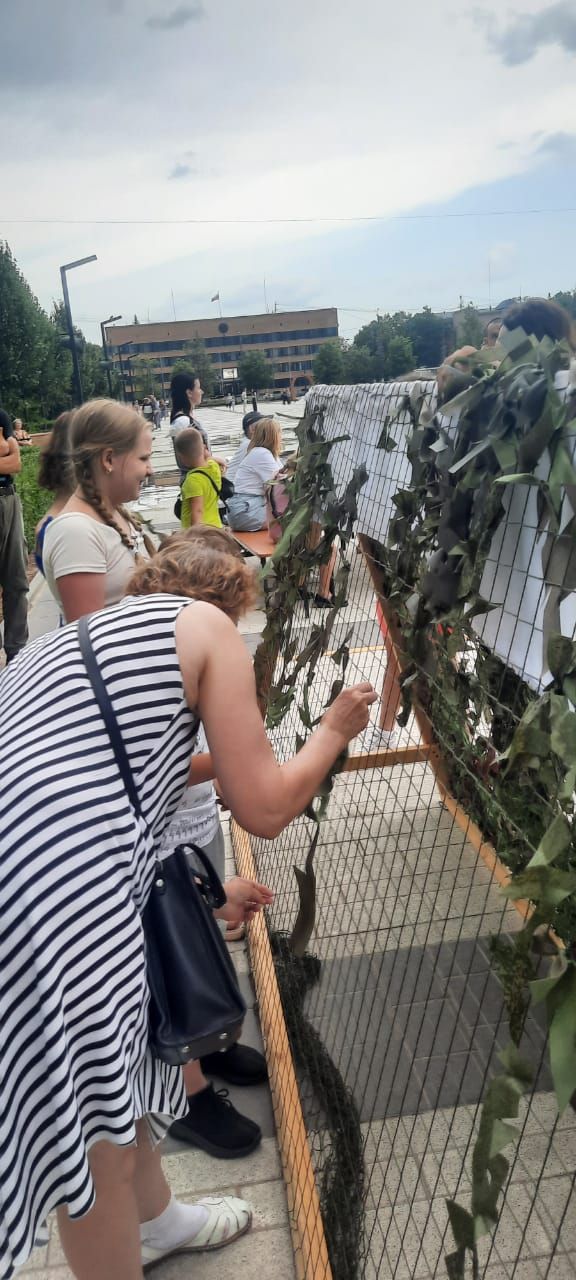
527 33
284 112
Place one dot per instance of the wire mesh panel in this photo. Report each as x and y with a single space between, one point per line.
404 986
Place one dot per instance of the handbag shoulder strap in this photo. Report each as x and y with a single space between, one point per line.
108 714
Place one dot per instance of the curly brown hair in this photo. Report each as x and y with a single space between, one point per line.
541 317
204 563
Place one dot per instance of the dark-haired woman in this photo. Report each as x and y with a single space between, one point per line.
56 473
185 396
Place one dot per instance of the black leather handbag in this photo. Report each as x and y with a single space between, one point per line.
196 1006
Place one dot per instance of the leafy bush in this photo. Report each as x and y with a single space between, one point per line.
35 501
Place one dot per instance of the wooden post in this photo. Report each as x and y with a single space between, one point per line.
310 1248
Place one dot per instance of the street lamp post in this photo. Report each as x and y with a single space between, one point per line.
120 349
103 324
69 266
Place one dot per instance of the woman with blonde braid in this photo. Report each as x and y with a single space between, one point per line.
91 548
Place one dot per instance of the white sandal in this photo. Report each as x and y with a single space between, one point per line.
228 1219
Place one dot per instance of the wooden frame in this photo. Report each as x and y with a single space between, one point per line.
310 1249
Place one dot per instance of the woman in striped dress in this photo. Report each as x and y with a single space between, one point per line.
90 554
81 1097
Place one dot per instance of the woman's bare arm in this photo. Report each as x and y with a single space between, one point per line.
201 769
81 593
219 682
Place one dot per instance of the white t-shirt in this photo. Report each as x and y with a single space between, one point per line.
257 468
196 819
237 459
76 543
183 423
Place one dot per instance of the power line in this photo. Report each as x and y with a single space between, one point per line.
239 222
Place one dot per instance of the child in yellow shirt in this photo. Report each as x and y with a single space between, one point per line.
202 483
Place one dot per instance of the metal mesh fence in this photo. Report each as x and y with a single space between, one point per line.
398 1010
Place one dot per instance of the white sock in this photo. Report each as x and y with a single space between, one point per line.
177 1224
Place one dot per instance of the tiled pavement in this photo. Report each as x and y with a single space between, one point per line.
410 1012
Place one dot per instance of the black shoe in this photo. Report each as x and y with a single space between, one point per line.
238 1065
322 602
214 1125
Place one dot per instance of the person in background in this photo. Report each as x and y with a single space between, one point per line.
186 396
247 506
212 1123
542 318
91 547
230 401
13 575
55 473
248 423
200 489
148 410
20 433
254 402
244 398
491 332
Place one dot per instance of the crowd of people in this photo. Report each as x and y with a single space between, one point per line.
85 1101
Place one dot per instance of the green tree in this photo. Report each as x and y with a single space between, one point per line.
386 341
358 365
255 371
93 371
469 327
28 345
400 356
195 359
146 376
329 363
567 299
432 337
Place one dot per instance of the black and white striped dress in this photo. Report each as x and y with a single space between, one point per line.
76 867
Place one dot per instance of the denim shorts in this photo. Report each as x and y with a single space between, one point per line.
246 512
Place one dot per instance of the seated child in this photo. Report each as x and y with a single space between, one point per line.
216 573
200 488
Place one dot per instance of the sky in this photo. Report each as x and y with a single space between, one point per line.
367 155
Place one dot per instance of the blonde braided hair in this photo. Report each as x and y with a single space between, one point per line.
96 426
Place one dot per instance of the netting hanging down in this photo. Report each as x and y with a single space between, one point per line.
419 981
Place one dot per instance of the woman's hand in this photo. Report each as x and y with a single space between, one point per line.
244 898
350 711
